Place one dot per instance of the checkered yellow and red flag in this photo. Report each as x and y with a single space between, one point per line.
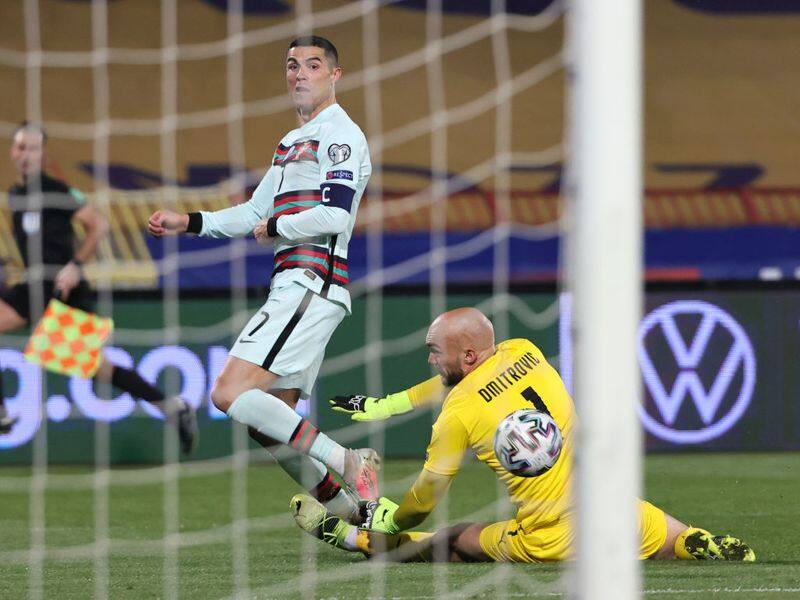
68 340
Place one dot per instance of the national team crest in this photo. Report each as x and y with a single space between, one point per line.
338 153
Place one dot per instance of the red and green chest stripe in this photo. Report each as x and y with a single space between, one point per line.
315 259
296 152
305 256
296 201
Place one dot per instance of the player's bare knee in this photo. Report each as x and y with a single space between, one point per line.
223 395
674 529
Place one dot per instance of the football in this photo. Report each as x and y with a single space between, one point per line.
528 443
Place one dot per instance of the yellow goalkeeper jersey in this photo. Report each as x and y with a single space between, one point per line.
517 376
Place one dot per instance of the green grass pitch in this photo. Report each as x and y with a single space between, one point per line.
754 496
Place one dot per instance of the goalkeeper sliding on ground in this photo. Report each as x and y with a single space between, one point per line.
481 383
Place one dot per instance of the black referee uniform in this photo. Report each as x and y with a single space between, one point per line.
46 225
43 231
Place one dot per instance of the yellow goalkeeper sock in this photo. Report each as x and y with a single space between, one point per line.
696 544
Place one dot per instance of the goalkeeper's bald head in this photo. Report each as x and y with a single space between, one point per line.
459 341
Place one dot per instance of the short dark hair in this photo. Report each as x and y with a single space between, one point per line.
320 42
29 125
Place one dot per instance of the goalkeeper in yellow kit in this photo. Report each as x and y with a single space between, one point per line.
481 384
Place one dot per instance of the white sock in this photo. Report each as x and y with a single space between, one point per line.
333 452
266 414
306 471
341 505
314 477
274 418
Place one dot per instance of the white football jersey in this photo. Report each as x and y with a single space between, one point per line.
313 232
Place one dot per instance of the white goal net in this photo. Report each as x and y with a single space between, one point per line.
179 104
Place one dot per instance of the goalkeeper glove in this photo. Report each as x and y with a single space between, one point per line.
367 408
378 515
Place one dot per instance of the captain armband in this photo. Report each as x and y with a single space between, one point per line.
337 195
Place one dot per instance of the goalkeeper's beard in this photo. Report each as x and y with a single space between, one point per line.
451 379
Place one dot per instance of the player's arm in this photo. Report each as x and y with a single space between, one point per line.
95 226
234 221
386 516
426 493
329 218
448 443
367 408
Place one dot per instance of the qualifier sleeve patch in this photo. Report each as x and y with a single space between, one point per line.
338 153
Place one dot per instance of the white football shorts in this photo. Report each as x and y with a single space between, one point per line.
288 336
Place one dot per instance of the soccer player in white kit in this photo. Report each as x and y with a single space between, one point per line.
306 204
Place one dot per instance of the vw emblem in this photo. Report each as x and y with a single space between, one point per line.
719 402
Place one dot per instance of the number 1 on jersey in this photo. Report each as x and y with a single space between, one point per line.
531 396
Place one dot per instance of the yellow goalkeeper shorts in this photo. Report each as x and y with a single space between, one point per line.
507 541
652 529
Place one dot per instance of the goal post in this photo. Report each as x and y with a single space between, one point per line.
604 268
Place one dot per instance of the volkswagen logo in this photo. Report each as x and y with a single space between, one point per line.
706 371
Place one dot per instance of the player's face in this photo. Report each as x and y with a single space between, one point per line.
444 356
27 151
310 78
